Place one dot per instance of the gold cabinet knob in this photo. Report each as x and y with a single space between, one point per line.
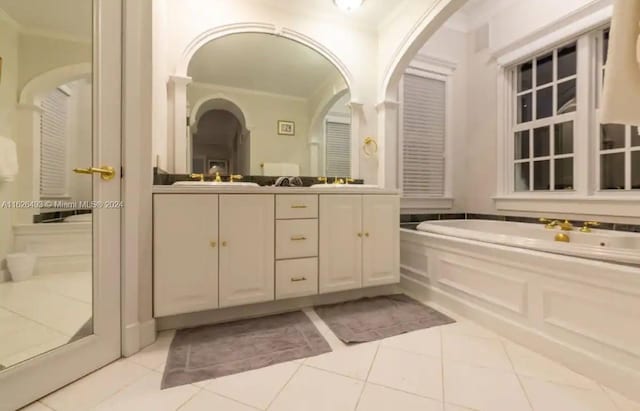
366 234
224 243
359 234
213 244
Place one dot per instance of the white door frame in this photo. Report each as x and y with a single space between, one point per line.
32 379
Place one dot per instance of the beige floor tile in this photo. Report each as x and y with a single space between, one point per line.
477 351
257 388
378 398
425 342
354 362
208 401
145 394
623 403
483 389
451 407
95 388
36 406
311 389
155 355
530 364
465 327
547 396
409 372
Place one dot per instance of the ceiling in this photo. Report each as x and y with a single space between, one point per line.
368 16
262 62
68 18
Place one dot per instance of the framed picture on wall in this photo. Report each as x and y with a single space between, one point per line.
286 128
218 166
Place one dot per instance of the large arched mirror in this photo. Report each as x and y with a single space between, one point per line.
261 104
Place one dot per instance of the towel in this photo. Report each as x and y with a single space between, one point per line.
621 97
281 169
8 160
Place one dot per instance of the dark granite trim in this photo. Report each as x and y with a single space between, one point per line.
164 179
410 220
57 216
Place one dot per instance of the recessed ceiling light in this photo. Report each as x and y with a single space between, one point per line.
348 5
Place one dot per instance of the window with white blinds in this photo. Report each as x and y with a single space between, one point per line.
53 145
423 136
338 149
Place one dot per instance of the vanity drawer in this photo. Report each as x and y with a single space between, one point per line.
296 238
296 278
290 206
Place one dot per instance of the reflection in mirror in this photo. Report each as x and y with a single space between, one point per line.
261 104
45 217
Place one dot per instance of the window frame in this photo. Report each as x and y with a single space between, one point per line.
586 198
440 70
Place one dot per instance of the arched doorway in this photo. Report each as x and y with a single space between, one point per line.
219 139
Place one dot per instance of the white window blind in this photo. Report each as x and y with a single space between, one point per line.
53 145
338 149
424 131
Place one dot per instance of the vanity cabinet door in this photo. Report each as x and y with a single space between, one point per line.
185 249
381 241
247 244
340 242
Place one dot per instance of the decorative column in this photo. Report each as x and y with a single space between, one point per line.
357 116
388 123
179 141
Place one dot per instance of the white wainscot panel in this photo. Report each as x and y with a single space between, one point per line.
480 279
415 263
603 317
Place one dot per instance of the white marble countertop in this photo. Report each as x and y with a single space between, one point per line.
350 189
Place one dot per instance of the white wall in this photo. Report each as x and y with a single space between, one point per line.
262 112
8 93
80 138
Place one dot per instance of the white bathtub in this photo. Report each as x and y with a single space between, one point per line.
514 279
604 245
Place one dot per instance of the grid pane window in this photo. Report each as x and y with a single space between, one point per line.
543 133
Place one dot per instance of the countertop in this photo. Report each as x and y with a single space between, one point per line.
350 189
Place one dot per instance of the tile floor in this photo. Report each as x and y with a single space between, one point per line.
456 367
42 313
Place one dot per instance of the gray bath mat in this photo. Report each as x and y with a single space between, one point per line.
212 351
371 319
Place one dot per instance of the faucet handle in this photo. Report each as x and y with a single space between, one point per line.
199 176
349 180
337 180
323 179
586 228
235 177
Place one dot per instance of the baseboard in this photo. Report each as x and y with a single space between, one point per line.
623 380
269 308
137 336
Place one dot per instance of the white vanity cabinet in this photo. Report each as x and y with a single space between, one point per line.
247 230
359 241
185 249
224 249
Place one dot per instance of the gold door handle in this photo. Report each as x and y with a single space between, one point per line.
296 280
298 238
107 173
213 244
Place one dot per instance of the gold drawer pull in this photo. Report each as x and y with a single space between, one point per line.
298 238
298 279
298 206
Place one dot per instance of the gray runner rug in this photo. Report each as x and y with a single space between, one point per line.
212 351
371 319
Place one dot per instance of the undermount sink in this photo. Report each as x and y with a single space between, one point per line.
213 184
345 186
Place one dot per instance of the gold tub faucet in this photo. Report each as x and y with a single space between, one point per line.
549 224
588 225
566 226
